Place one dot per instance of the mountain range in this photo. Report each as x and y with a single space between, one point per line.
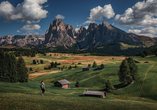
61 34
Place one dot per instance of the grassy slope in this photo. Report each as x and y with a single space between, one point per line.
27 95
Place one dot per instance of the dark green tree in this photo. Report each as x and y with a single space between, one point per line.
3 65
34 62
128 71
13 69
8 65
31 69
133 68
94 64
52 64
70 67
41 61
109 86
102 66
77 84
22 70
124 72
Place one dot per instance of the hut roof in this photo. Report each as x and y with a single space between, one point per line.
87 92
136 61
146 62
64 81
85 67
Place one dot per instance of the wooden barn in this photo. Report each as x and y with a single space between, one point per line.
101 94
85 68
62 83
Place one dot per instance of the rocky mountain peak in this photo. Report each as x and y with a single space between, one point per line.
108 25
59 34
92 26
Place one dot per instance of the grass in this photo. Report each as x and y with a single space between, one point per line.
28 95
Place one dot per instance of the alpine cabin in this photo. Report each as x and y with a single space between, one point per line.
62 83
101 94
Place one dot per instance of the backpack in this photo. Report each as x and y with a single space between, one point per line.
41 86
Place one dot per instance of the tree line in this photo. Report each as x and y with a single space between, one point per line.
149 51
11 69
23 52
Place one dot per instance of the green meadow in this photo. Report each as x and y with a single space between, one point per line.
140 95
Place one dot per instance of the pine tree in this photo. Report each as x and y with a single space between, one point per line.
7 67
2 65
13 69
77 84
133 68
34 62
102 66
109 86
124 72
22 70
94 64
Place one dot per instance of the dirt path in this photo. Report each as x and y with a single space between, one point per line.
41 74
145 78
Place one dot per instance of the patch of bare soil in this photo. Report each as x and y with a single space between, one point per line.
41 74
82 58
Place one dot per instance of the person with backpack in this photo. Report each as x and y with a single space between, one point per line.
42 86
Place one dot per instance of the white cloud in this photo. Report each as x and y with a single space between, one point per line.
31 27
88 21
59 16
141 14
148 31
18 31
86 27
33 21
99 12
27 10
76 29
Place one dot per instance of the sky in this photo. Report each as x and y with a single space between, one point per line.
21 17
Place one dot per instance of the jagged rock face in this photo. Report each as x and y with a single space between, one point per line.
22 40
97 35
60 34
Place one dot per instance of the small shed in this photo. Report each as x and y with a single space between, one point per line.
85 68
136 61
62 83
101 94
146 62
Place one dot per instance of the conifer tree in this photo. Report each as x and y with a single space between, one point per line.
13 69
102 66
22 70
77 84
2 65
7 67
94 64
133 68
124 72
109 86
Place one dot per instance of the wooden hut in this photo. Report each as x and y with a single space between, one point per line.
62 83
101 94
136 61
85 68
146 62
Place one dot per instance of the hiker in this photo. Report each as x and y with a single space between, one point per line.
42 86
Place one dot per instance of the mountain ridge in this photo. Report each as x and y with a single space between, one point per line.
61 34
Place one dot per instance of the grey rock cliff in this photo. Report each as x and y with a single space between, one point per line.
22 40
60 34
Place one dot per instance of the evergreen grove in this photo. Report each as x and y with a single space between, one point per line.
11 69
128 71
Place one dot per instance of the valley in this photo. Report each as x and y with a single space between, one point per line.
141 94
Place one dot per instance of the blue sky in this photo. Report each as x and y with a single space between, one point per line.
19 17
